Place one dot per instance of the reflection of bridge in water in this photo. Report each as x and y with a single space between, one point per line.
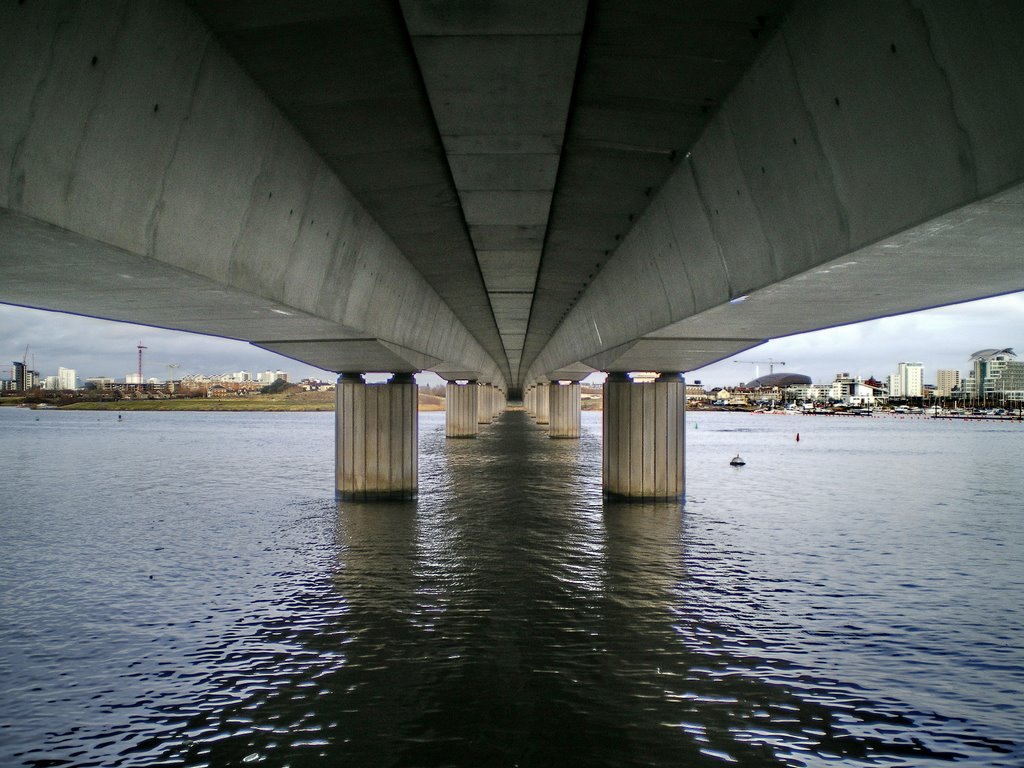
510 197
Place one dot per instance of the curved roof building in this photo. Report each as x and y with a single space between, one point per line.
986 354
778 380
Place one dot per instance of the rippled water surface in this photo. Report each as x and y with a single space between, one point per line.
182 590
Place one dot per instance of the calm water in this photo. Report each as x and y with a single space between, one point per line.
182 589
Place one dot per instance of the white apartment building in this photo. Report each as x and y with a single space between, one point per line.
67 378
907 381
851 390
269 377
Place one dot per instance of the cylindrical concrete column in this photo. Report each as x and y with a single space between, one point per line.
484 399
564 409
460 406
644 438
528 401
541 403
376 438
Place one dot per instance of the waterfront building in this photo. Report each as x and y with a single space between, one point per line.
851 390
907 381
100 382
51 382
694 392
1008 386
985 377
946 380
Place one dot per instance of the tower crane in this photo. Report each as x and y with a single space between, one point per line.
770 362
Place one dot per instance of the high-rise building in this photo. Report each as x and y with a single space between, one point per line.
995 373
51 382
66 378
986 367
18 376
946 380
907 380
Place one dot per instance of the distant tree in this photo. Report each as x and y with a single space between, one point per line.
276 388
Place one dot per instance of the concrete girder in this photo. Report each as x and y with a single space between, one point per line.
135 143
499 78
866 165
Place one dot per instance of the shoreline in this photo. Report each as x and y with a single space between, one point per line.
240 405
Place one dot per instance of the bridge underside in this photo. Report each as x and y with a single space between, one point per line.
507 191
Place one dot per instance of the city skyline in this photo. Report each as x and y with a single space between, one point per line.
939 338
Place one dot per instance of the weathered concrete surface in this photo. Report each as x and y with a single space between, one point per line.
461 408
694 180
542 403
501 132
564 410
866 165
126 127
376 439
644 437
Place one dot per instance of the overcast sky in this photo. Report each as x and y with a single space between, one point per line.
938 338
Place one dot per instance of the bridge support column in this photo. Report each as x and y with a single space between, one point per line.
564 409
376 436
644 438
485 404
461 409
541 403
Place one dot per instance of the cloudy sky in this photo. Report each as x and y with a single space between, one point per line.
938 338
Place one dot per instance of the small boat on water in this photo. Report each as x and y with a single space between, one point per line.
737 461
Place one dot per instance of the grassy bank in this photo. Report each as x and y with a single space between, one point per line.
212 404
312 401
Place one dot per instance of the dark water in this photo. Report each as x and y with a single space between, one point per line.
182 590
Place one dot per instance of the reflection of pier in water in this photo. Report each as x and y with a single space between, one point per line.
524 621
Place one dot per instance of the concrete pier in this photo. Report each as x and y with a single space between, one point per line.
644 434
485 404
542 405
461 409
564 409
376 438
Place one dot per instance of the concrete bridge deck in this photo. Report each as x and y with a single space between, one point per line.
510 190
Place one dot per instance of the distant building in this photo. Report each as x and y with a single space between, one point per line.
100 382
851 390
23 378
132 378
51 382
907 381
946 380
778 380
695 392
266 378
67 379
986 375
